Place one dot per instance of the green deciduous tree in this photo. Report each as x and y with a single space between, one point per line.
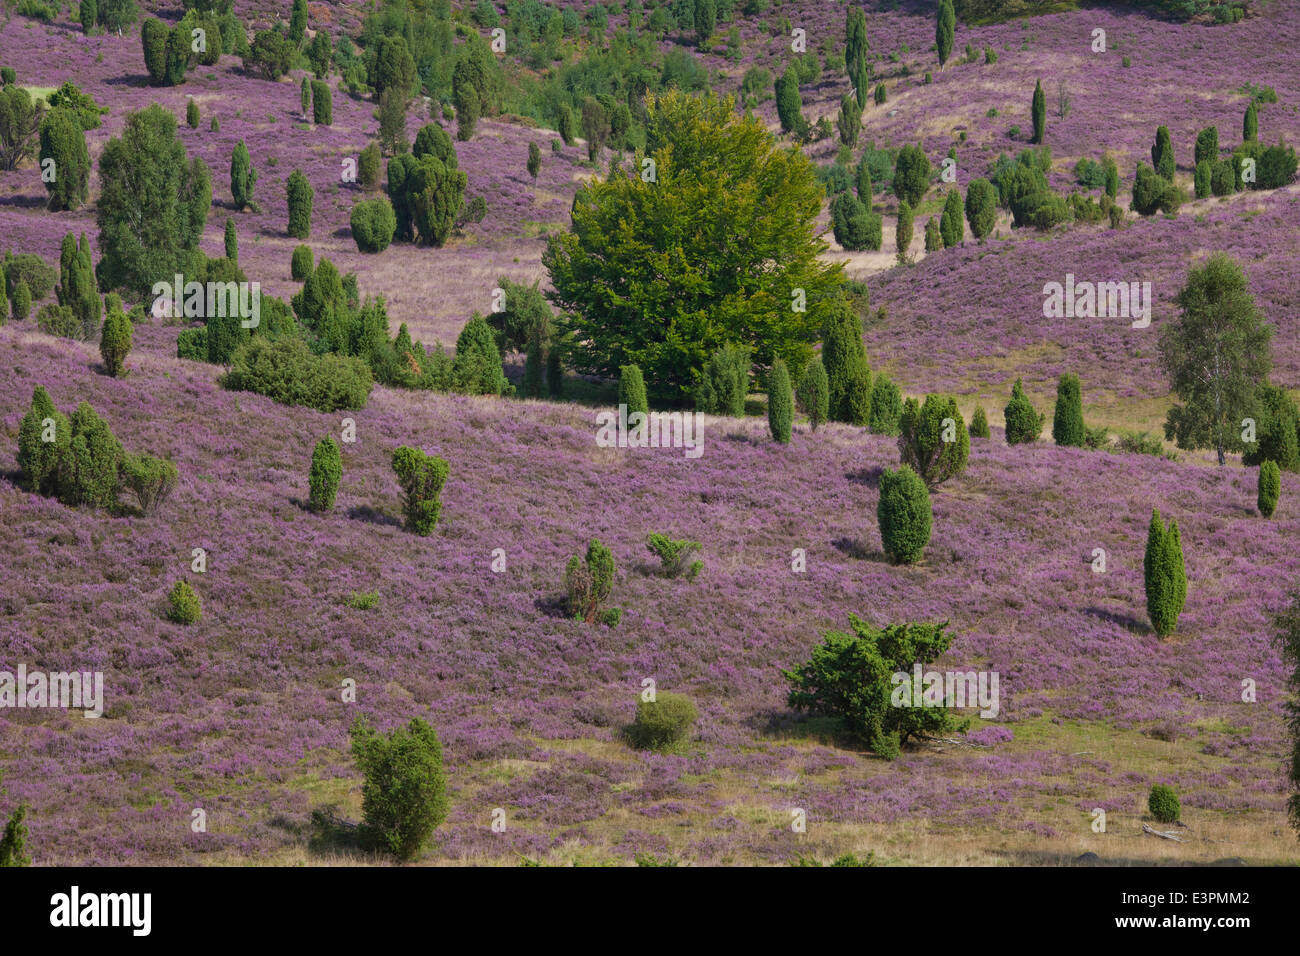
657 273
1217 354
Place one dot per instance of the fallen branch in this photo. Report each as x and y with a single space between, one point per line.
1147 828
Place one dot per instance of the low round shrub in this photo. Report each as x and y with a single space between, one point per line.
663 724
373 224
1163 803
183 604
904 515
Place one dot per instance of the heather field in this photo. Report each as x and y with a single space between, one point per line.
246 712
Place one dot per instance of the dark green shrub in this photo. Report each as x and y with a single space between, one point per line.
1164 575
38 275
300 199
677 557
911 175
780 402
150 479
373 224
115 342
231 241
183 604
588 582
903 232
22 302
1276 420
44 435
63 143
89 471
1067 421
285 370
322 103
1038 112
664 724
1152 193
981 207
1163 803
724 382
13 844
421 477
880 94
1207 145
855 226
847 373
813 393
979 423
1023 422
631 389
243 178
1162 154
933 442
1202 178
368 164
1270 487
933 237
301 264
886 406
1250 124
950 223
192 344
850 678
326 470
192 113
404 795
904 515
477 366
1223 181
525 314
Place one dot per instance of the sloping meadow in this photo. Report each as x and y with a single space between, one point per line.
242 714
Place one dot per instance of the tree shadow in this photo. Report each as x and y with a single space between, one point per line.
331 835
867 477
374 516
25 201
1127 621
554 607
